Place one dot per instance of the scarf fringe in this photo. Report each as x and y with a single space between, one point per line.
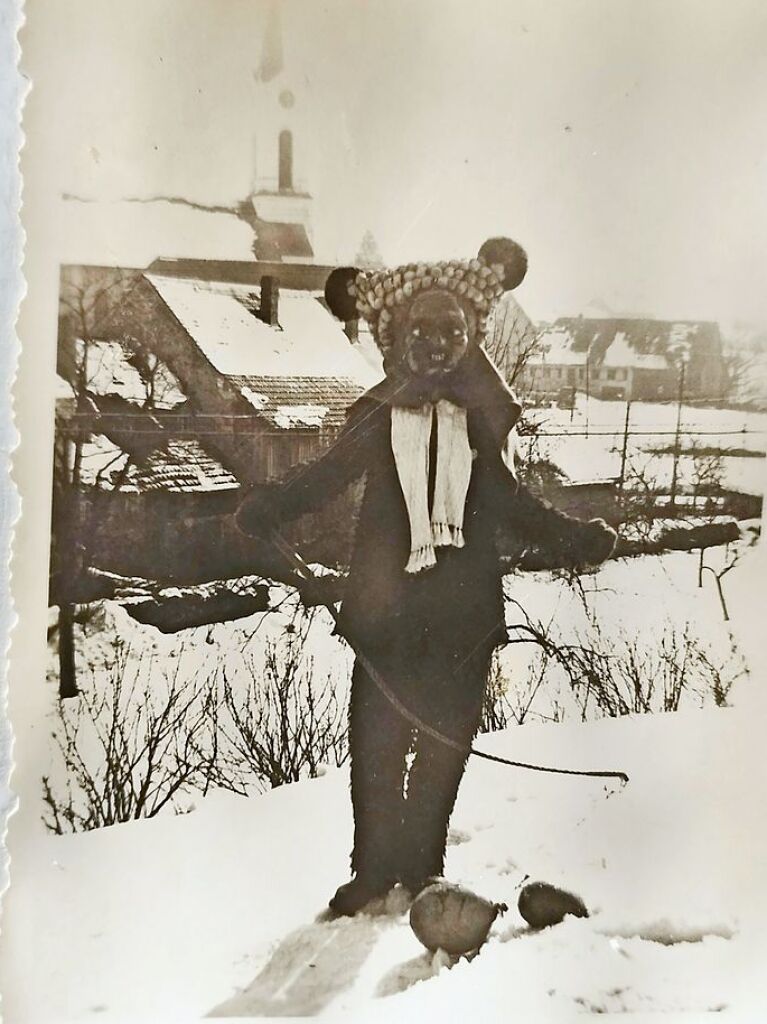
411 431
420 559
446 535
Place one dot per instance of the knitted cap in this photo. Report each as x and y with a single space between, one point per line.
377 295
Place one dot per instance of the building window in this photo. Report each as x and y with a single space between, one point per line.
285 181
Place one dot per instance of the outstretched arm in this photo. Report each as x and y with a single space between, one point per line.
310 485
560 539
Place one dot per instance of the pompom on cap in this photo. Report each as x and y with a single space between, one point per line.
508 255
340 293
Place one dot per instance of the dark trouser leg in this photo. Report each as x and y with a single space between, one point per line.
437 770
379 740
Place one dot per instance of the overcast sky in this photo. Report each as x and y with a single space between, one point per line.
623 143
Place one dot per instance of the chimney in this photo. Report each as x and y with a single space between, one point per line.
270 300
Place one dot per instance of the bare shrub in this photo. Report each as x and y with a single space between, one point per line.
129 748
284 726
639 498
707 473
641 679
511 701
139 738
612 676
655 676
496 708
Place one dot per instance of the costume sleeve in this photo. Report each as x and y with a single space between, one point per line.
310 485
559 539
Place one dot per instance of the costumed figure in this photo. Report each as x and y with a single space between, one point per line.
423 603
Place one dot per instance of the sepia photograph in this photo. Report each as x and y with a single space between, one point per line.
390 580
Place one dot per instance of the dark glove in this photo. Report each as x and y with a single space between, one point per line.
257 515
596 542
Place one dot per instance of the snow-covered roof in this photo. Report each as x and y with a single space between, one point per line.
555 348
63 390
181 465
621 353
108 372
642 344
221 319
177 465
368 349
300 402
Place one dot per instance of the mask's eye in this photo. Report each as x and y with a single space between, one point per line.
416 332
457 332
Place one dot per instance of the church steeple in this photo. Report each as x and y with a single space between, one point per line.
272 56
279 196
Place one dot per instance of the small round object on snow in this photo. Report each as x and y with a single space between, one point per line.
542 905
449 917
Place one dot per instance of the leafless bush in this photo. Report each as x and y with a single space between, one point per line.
643 488
283 726
639 499
136 739
645 679
707 472
619 675
511 701
495 707
131 748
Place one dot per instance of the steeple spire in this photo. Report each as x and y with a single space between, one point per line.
272 59
281 215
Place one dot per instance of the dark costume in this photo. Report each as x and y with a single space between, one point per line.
429 635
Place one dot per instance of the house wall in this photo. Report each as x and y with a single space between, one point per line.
611 382
654 384
550 378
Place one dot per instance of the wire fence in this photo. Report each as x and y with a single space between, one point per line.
192 425
618 431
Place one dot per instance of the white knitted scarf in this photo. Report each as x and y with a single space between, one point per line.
410 437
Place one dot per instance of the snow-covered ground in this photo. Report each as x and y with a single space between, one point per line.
173 917
652 426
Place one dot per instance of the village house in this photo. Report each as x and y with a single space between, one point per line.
635 359
202 374
179 386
